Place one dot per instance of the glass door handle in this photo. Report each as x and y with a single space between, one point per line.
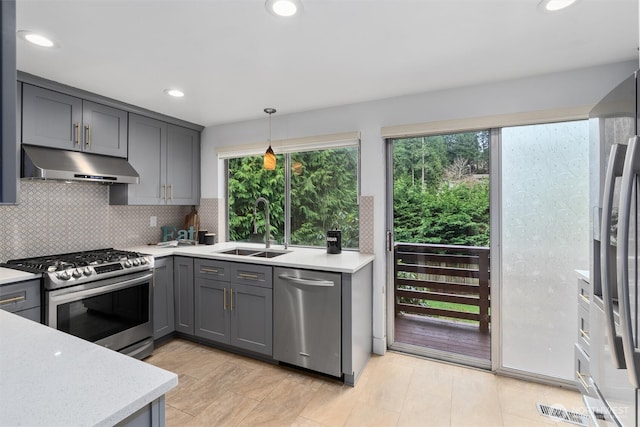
630 174
614 170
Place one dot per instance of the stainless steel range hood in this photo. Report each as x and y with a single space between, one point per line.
50 163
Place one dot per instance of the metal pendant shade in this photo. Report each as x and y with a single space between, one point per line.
269 155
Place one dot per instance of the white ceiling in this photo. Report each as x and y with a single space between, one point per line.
233 59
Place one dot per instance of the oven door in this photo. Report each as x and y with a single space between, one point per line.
115 313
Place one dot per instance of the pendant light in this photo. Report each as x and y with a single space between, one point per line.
269 156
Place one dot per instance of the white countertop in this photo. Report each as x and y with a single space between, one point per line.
49 378
309 258
583 274
8 275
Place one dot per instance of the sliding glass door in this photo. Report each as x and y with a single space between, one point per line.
544 238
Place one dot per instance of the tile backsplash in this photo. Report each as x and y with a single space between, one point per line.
57 217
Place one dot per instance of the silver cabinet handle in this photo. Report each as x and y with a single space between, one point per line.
224 299
248 276
170 191
614 170
630 174
87 141
306 282
164 192
231 298
208 270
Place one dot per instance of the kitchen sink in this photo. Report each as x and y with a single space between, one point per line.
268 253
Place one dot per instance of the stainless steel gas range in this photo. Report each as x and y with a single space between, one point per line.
103 296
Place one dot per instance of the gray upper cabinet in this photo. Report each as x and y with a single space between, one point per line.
183 166
167 158
9 143
57 120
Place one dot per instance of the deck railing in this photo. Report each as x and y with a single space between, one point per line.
426 274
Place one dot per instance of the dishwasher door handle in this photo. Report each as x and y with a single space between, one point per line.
307 282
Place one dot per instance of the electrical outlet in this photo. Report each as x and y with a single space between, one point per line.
153 221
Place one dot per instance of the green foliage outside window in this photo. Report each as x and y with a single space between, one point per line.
441 189
324 196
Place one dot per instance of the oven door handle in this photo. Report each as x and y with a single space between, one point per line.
113 284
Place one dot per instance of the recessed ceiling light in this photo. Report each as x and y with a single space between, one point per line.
174 92
555 5
283 7
36 38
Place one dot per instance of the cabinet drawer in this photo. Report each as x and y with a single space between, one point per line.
251 274
212 269
583 329
582 375
584 294
20 296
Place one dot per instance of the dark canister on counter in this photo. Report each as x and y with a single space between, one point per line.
334 241
201 234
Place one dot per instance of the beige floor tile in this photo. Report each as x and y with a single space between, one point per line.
432 410
267 414
332 404
259 383
387 385
519 398
220 388
474 400
228 409
369 415
304 422
292 395
511 420
175 417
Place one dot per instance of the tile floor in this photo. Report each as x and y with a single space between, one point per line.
217 388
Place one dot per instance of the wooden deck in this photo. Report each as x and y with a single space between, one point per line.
443 335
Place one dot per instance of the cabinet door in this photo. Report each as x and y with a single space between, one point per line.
147 155
104 129
212 310
163 311
252 318
183 166
183 294
51 119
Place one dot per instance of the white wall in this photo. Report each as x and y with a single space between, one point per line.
569 89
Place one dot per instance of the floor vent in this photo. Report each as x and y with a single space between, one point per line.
563 415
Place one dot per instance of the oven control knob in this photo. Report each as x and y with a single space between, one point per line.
143 261
136 262
77 273
63 275
127 263
87 271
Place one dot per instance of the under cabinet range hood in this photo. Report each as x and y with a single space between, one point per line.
50 163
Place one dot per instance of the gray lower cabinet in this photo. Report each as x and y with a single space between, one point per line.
183 292
22 298
167 158
234 313
57 120
163 308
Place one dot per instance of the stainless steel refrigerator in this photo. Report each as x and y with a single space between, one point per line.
608 349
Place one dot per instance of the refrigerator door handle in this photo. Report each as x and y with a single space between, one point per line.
614 170
630 173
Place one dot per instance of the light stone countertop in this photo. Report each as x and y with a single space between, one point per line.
583 274
8 275
309 258
49 378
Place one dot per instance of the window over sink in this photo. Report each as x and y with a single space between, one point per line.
309 192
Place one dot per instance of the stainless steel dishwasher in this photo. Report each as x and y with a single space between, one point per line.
307 320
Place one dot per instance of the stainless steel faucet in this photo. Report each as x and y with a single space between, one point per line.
267 232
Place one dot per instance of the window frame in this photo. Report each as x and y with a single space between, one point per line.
286 153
